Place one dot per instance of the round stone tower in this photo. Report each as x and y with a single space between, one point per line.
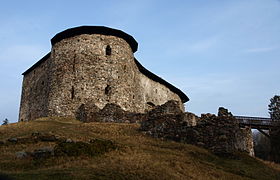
93 67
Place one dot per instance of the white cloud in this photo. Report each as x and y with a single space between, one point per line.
261 50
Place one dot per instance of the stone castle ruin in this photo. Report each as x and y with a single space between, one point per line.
92 64
91 74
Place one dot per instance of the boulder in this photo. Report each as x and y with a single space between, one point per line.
44 152
13 140
22 154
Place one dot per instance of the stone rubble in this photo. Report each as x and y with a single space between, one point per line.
221 134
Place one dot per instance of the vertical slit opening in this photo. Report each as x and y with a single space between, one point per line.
72 93
107 89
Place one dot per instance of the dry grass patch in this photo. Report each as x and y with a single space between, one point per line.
138 156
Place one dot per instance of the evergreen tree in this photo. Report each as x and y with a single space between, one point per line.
274 108
5 122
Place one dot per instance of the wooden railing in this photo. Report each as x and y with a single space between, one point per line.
256 122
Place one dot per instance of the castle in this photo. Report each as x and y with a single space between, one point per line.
92 64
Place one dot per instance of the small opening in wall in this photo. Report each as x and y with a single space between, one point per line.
108 50
72 93
43 82
107 89
151 104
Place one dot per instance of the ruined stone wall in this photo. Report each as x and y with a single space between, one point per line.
244 140
35 90
221 134
90 68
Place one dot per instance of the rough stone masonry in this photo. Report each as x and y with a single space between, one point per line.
92 64
221 134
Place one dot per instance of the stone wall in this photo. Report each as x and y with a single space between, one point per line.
35 91
80 70
110 113
154 93
220 134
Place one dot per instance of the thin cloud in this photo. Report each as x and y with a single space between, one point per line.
260 50
204 45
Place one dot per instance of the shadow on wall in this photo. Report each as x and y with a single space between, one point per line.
261 145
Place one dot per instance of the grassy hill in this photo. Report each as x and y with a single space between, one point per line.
137 156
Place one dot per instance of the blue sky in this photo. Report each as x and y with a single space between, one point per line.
220 53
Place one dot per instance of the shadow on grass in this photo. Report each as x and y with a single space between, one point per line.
238 163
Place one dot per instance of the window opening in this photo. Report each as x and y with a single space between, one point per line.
72 93
107 89
151 104
108 50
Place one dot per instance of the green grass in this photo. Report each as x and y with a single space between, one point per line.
137 156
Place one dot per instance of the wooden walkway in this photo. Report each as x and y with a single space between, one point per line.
258 123
255 122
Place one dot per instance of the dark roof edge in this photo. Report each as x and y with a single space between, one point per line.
95 30
37 63
158 79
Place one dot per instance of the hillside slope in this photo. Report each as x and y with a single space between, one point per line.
137 156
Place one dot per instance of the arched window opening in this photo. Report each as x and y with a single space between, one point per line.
108 50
